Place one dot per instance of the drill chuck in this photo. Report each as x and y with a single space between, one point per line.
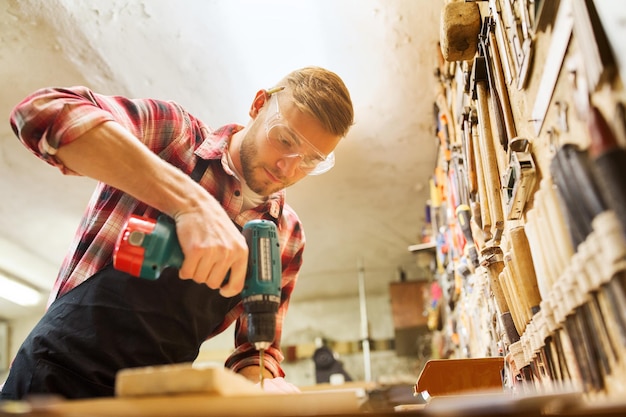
261 329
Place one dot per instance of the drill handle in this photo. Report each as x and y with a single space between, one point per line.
146 247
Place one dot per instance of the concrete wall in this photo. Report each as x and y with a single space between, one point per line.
18 330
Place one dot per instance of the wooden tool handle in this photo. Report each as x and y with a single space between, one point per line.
471 160
502 90
521 303
524 267
510 295
517 309
494 270
485 214
493 264
489 160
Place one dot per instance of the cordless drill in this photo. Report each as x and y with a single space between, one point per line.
146 247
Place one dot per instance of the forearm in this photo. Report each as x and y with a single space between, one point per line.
111 154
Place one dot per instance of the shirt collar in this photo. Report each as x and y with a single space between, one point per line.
215 142
214 147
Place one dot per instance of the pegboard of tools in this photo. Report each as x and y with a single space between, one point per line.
528 197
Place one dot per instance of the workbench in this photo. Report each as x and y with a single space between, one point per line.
185 390
306 404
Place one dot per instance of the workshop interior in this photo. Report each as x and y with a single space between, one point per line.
465 256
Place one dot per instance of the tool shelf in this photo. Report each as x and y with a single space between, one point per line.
548 291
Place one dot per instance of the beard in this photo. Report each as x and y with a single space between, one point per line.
254 170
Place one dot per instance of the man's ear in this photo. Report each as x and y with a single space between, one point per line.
259 100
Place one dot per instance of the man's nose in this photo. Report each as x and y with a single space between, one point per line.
289 164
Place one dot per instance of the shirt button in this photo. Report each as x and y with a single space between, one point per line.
237 193
274 209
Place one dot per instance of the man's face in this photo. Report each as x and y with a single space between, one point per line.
268 168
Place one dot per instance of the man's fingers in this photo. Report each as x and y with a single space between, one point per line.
237 278
190 266
279 385
213 273
210 252
218 276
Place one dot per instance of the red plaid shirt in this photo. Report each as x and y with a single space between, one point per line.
53 117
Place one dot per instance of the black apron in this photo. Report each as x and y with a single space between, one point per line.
110 322
113 321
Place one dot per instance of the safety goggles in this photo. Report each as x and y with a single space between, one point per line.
292 144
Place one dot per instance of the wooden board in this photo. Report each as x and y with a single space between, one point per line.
182 379
199 405
185 391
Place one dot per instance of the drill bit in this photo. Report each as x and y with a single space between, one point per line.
261 366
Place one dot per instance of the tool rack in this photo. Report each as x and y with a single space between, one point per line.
531 135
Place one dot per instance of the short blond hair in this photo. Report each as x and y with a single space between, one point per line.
322 94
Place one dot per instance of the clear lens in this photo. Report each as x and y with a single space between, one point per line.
325 165
284 140
290 143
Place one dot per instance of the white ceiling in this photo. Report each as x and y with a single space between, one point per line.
212 56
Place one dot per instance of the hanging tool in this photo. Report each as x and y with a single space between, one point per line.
460 25
559 42
486 149
598 59
517 26
503 113
463 215
594 318
610 162
146 247
519 179
520 265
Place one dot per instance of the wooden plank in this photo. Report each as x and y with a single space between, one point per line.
185 391
182 379
199 405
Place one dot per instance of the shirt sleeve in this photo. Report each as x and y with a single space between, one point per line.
50 118
245 354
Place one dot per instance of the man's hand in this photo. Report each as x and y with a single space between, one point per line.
212 245
270 384
279 385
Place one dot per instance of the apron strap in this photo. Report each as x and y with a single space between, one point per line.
199 169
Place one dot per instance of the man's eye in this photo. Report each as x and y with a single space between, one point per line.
286 143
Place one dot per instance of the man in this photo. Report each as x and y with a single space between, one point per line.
153 157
